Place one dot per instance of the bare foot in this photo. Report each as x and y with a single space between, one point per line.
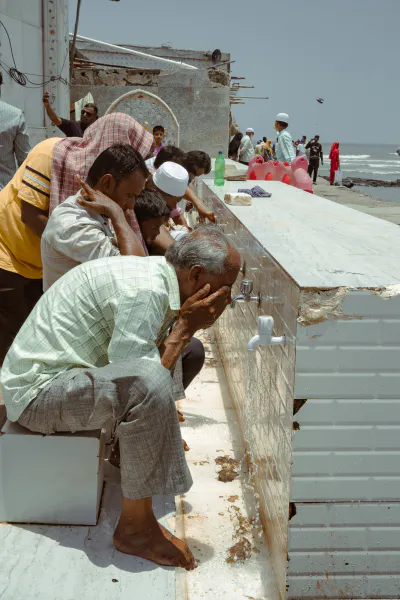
185 446
154 543
181 418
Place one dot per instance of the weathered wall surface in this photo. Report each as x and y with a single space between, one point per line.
97 52
39 35
199 100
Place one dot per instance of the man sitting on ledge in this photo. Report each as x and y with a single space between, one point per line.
97 348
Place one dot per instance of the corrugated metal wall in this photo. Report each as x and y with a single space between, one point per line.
344 539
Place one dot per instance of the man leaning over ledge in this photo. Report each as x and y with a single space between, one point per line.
98 348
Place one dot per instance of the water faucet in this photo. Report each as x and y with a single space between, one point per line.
246 287
265 337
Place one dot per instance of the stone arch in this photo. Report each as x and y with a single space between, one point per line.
149 110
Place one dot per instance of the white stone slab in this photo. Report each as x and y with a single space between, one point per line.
50 479
319 243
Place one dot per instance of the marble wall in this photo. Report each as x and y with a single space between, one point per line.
262 383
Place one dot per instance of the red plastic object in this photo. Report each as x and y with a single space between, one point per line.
255 160
302 180
286 178
279 171
259 171
300 162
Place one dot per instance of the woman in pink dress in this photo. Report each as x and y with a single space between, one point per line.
335 161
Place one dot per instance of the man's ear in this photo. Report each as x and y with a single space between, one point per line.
107 183
195 272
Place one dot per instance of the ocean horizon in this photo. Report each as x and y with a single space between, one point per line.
369 161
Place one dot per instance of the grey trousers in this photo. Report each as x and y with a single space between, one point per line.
136 395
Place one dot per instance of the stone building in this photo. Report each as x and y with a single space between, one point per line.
190 99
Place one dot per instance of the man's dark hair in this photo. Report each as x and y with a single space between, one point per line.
282 124
119 160
170 154
264 139
196 159
150 205
158 128
316 136
91 105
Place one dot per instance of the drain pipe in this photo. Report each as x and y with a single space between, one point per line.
136 52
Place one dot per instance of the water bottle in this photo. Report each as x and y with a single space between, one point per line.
219 177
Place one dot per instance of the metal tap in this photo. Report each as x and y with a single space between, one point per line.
246 287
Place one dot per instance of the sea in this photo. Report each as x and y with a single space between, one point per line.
372 161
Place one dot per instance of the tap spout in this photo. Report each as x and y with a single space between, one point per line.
253 343
236 298
265 337
246 287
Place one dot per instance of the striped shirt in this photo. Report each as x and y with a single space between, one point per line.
104 311
19 245
14 141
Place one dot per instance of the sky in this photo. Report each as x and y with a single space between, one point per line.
295 51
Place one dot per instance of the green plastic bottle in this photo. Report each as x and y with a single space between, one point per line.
219 177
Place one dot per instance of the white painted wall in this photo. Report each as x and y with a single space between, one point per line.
39 36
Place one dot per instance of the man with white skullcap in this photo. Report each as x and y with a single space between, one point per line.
284 149
246 149
171 180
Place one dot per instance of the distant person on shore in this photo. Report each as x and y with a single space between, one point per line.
316 154
334 157
14 140
246 149
89 115
233 152
268 153
284 148
301 147
259 148
159 135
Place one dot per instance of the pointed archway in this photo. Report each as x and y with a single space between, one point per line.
149 110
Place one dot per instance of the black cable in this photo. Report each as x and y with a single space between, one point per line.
9 41
21 78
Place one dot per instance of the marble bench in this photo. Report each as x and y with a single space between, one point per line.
54 479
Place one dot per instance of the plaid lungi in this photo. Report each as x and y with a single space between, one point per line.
138 397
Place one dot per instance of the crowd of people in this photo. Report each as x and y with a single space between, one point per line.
103 287
284 149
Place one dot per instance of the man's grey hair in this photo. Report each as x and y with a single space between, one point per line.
207 247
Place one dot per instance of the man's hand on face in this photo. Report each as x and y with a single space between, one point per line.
202 310
97 202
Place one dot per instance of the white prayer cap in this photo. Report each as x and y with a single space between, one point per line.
282 117
172 179
249 130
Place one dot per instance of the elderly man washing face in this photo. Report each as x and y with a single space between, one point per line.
98 349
